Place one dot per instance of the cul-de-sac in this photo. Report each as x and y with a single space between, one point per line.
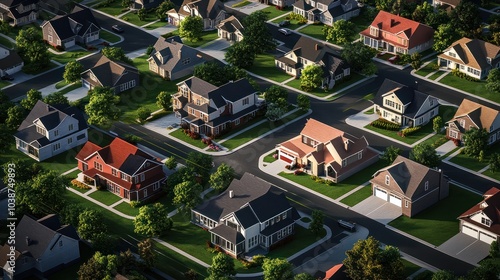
250 139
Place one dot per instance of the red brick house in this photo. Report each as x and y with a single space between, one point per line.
395 34
122 168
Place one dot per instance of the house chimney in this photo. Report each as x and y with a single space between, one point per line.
231 81
316 47
346 144
231 194
28 241
179 53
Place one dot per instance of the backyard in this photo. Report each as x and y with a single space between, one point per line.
351 79
264 65
476 88
442 216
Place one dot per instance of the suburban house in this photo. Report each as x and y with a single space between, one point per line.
42 247
410 185
404 105
448 5
310 52
146 4
230 29
474 115
327 152
122 168
211 11
473 57
18 12
10 62
278 3
171 59
250 214
482 221
326 11
113 74
212 110
80 26
395 34
49 130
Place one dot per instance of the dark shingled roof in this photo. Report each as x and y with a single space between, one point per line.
174 54
246 217
109 72
228 233
76 23
269 205
10 60
231 24
132 164
301 4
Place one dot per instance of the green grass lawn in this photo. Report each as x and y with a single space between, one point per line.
314 30
155 25
294 24
105 197
339 189
258 130
439 222
476 88
264 65
473 163
435 139
358 196
61 84
114 9
4 83
241 4
6 42
179 134
273 12
68 56
369 112
126 209
410 267
353 78
426 70
133 18
108 36
301 239
71 87
207 36
436 75
269 158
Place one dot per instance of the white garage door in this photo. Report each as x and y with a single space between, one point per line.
395 200
381 194
486 237
469 231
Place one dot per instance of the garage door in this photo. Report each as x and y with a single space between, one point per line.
395 200
486 237
285 159
381 194
469 231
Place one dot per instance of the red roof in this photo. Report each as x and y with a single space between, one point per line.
329 273
87 149
319 131
416 33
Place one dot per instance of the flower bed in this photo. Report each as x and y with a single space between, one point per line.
80 185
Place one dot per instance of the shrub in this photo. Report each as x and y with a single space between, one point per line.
314 177
408 131
206 141
385 124
135 204
457 142
131 138
434 66
456 72
80 185
330 183
258 259
288 166
298 172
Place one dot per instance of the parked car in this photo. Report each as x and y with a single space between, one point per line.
117 29
285 31
284 23
7 78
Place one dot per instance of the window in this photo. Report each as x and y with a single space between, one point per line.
114 172
156 186
462 123
344 163
143 177
284 216
426 185
145 192
406 203
237 122
56 132
49 38
97 166
431 101
198 102
70 140
452 54
56 146
486 221
453 134
80 137
41 130
70 127
387 179
60 243
360 155
22 144
246 101
124 176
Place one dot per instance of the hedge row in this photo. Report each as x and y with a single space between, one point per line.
385 124
408 131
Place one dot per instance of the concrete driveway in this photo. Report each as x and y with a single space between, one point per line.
378 209
466 248
216 48
247 9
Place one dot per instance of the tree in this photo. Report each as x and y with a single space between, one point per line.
274 92
126 262
494 249
163 8
183 174
105 243
303 102
489 269
366 261
143 113
274 112
444 36
303 276
222 267
311 77
200 164
5 104
164 100
191 274
141 14
70 214
384 5
5 27
6 138
32 97
32 49
316 225
187 195
42 194
90 224
277 269
493 80
494 162
115 53
466 19
340 32
437 124
437 18
218 74
56 98
191 28
147 252
240 54
126 3
422 11
171 162
416 60
25 169
72 71
152 220
102 106
360 57
475 141
423 153
98 267
222 177
15 116
443 275
256 33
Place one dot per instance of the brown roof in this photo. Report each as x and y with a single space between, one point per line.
319 131
489 206
416 33
295 144
109 72
473 53
481 115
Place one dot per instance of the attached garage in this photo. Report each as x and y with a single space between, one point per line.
285 159
381 194
469 231
485 237
395 200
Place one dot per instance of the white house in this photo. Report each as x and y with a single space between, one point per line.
326 11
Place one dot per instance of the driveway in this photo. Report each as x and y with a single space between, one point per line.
466 248
216 48
161 125
378 210
247 9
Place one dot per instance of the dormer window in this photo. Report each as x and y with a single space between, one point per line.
387 179
452 54
462 123
41 130
486 221
426 185
488 59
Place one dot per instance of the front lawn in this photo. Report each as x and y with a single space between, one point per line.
155 25
439 222
108 36
114 9
294 24
68 56
358 196
133 18
126 209
179 134
61 84
339 189
71 88
105 197
6 42
476 88
473 163
436 75
264 65
314 30
410 267
273 12
351 79
301 239
269 158
207 36
426 70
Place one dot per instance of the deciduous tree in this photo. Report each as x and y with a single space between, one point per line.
105 243
240 54
152 220
493 80
164 100
316 225
6 138
42 194
72 71
25 169
274 92
32 97
385 5
443 275
116 53
222 267
467 19
423 153
303 276
99 267
494 162
187 195
422 11
141 14
416 60
171 162
277 269
191 28
311 77
5 104
90 224
102 106
32 49
360 57
444 36
222 177
147 252
274 111
200 164
256 33
475 141
340 32
56 98
143 113
126 262
70 214
303 102
163 8
15 116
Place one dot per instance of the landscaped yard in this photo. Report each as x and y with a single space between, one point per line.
410 268
294 24
207 36
264 65
126 209
473 163
476 88
179 134
4 83
273 12
426 70
68 56
6 42
114 9
155 25
269 158
105 197
358 196
108 36
353 78
339 189
314 30
133 18
436 75
441 216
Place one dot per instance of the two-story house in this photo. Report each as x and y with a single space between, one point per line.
42 247
326 11
482 221
113 74
230 29
145 4
212 110
10 62
171 59
18 12
211 11
310 52
395 34
122 168
278 3
473 57
410 185
474 115
49 130
80 26
250 214
327 152
404 105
